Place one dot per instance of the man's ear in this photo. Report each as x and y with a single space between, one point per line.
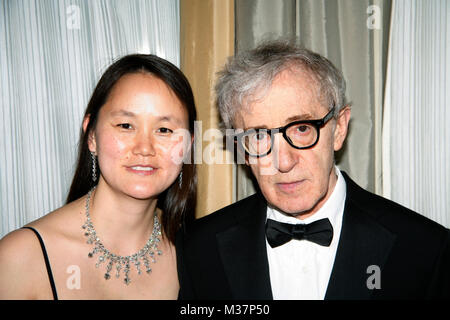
340 133
91 138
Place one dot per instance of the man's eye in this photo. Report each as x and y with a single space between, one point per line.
125 126
303 128
261 136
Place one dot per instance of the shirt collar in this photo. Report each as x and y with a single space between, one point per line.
332 208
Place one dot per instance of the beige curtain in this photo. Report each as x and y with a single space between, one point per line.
353 34
207 39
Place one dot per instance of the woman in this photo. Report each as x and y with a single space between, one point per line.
131 191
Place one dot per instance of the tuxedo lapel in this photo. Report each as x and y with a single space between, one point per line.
363 243
242 248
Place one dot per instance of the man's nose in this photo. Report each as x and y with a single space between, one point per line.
284 158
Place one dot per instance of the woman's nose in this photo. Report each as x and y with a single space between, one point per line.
144 144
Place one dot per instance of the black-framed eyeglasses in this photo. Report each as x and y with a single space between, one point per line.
302 134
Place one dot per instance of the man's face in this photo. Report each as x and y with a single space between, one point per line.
294 181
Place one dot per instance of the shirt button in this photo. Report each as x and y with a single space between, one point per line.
304 269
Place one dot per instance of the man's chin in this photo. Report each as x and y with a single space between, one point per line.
296 211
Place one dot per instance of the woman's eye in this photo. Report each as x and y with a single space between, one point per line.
125 126
164 130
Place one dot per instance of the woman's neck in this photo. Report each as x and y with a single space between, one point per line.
122 223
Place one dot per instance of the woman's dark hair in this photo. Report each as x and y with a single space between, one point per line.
177 202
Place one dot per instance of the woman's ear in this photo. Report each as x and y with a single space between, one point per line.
91 136
192 143
186 151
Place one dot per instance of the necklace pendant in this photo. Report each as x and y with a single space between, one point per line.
147 265
100 261
127 279
137 264
118 267
108 269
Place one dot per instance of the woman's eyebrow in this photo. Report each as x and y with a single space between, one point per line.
163 118
122 112
171 119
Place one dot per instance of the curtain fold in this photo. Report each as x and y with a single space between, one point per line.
207 39
52 53
256 20
416 131
340 31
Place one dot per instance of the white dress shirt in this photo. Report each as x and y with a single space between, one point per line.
301 269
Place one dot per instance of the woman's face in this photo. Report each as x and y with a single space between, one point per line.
141 136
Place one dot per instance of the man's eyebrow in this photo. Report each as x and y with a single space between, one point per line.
305 116
255 128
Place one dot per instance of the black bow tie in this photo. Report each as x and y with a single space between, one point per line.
278 233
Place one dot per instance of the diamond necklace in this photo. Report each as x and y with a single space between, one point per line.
146 253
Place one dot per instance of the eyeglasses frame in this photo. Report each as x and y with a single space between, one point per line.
317 123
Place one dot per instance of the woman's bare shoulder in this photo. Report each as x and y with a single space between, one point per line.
22 259
23 272
59 219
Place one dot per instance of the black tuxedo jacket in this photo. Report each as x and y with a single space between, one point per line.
223 255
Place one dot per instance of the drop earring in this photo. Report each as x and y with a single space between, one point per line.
180 179
94 167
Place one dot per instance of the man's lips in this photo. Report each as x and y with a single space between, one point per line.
289 186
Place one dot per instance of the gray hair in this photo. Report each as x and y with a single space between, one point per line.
254 70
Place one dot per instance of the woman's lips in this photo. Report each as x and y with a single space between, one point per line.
289 186
142 170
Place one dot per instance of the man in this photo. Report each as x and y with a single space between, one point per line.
309 232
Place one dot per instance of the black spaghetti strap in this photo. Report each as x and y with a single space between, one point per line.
47 262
